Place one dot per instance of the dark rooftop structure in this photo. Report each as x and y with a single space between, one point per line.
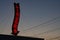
10 37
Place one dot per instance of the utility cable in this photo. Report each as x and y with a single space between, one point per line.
43 23
54 38
48 31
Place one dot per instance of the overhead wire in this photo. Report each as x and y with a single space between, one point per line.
48 31
54 38
43 23
46 25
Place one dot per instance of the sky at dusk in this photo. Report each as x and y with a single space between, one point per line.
39 18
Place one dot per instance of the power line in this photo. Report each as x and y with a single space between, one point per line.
48 31
43 23
42 26
54 38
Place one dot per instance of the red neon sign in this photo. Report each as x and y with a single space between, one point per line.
16 19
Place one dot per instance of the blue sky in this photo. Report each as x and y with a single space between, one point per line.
33 13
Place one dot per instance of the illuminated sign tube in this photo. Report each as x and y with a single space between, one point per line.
16 19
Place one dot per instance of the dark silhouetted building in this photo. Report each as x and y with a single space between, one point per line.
10 37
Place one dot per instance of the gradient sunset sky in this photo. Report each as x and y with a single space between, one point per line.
39 18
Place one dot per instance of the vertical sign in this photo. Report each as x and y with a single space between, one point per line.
16 19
